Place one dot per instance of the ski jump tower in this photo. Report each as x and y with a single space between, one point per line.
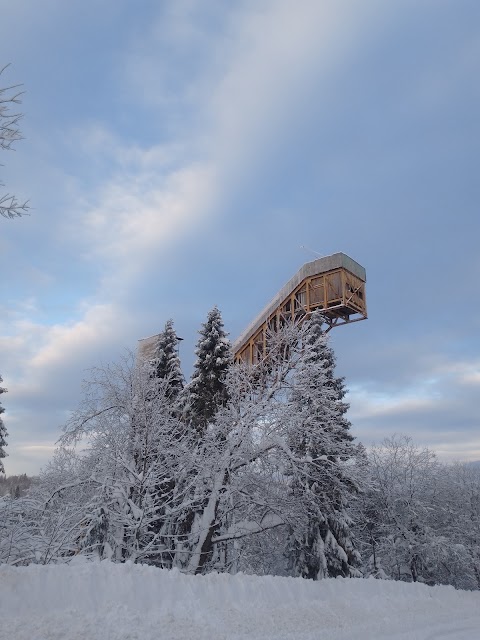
335 285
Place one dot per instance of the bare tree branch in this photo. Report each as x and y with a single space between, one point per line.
10 206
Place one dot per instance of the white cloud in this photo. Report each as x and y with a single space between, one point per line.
34 448
44 364
434 408
43 367
67 342
372 405
465 372
135 217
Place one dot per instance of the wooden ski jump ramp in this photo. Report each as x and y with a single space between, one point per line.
334 284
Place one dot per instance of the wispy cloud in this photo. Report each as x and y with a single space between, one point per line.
162 191
139 213
433 407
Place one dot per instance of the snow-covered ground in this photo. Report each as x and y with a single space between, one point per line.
118 602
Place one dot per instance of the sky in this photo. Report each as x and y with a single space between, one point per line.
178 155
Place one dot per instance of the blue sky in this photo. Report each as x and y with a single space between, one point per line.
178 154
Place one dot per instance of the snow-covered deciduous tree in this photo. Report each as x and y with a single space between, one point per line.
17 542
419 520
207 391
43 526
458 522
3 432
10 97
136 446
401 511
237 496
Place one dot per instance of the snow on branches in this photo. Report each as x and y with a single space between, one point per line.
248 468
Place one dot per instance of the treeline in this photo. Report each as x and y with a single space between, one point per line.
15 486
244 468
417 519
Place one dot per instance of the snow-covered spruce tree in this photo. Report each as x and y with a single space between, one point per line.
166 371
166 363
207 391
322 469
3 433
200 401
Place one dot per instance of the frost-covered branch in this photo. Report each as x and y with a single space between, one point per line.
10 206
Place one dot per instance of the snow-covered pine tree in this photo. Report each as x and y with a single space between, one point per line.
207 391
166 363
321 544
3 433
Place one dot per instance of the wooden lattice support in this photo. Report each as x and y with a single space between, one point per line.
335 285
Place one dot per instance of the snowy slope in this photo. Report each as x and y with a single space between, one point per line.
119 602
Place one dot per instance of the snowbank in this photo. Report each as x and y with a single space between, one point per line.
119 602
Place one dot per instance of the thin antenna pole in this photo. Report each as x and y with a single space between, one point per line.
311 251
